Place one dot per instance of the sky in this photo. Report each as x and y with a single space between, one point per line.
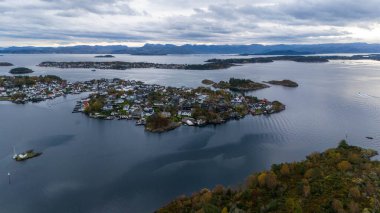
135 22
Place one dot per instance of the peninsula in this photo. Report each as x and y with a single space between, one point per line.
343 179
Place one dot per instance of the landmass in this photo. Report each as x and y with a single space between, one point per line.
104 56
207 82
281 52
330 48
285 83
26 155
240 85
211 64
23 89
343 179
120 65
304 59
5 64
158 108
20 70
162 108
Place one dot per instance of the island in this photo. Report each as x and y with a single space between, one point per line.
161 108
211 64
240 85
280 52
20 70
104 56
207 82
285 83
26 155
158 108
120 65
342 179
5 64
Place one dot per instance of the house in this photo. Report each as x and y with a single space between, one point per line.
166 114
184 113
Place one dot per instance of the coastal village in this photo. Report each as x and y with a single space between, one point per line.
158 108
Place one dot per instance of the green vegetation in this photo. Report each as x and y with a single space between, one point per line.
208 66
96 104
285 83
20 70
27 155
5 64
159 123
235 84
104 56
19 81
207 82
343 179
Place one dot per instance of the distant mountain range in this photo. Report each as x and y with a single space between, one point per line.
163 49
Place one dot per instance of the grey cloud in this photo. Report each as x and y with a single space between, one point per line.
219 21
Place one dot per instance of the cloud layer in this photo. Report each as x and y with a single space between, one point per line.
134 22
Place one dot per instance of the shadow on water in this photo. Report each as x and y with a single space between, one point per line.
182 171
50 141
190 144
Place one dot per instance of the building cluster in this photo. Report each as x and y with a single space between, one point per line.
117 65
25 89
127 99
119 99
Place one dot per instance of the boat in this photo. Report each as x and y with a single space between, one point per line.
93 70
25 155
140 122
369 138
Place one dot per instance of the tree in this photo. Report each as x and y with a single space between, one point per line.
262 178
306 188
337 205
271 180
343 144
224 210
353 207
354 192
285 171
344 165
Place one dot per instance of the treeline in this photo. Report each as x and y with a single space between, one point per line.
18 81
343 179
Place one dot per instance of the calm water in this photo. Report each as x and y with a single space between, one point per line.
113 166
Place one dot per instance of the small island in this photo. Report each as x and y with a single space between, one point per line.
5 64
240 85
20 70
285 83
26 155
104 56
207 82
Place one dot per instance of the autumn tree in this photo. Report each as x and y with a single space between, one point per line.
344 165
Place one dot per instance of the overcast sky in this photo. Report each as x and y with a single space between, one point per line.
135 22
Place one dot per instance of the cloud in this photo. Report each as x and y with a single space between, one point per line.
48 22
